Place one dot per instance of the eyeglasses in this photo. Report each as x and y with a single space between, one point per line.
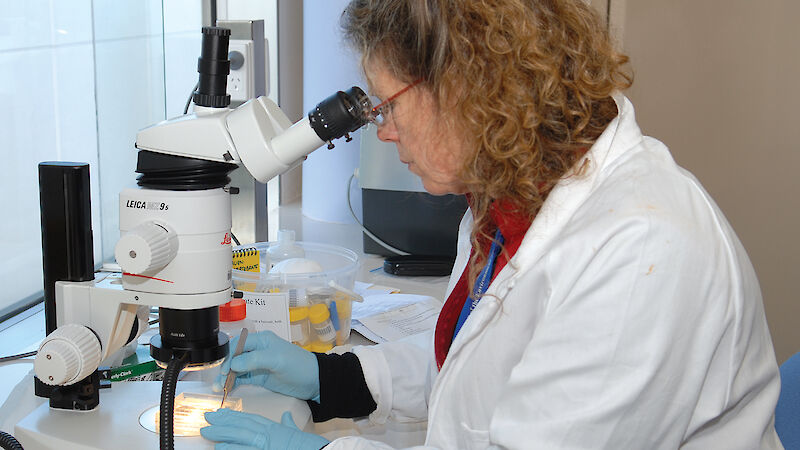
381 113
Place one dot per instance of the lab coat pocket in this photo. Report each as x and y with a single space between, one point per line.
473 439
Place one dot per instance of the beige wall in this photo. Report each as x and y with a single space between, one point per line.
719 82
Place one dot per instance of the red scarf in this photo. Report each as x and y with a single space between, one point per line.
513 223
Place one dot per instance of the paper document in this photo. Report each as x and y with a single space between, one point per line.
269 311
367 289
364 331
374 304
398 323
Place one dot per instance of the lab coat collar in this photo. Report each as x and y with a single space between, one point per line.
621 134
561 203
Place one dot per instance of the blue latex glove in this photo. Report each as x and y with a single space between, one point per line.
275 364
240 430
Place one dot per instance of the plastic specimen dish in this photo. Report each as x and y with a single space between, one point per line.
190 409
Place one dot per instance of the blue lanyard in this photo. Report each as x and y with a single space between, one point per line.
481 283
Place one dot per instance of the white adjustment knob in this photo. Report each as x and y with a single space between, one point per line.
146 248
67 355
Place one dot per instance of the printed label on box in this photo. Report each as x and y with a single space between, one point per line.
246 259
269 311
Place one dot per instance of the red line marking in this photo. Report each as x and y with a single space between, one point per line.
145 276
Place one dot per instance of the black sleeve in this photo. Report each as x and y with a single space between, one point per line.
343 391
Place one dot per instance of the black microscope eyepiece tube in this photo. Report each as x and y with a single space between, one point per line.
213 68
341 113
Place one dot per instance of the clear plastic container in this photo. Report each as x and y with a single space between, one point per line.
285 248
189 412
337 264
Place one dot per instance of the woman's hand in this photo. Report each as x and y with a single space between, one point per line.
275 364
241 430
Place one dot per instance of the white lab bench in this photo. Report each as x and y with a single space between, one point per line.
25 333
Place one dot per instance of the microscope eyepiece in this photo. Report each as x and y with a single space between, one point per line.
213 68
339 114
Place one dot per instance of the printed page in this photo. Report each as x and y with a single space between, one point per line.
405 321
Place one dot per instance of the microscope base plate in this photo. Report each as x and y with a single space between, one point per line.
115 423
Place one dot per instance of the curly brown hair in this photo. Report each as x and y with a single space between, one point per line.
529 82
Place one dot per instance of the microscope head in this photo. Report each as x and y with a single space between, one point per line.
257 134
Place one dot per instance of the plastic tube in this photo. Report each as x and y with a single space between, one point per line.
320 318
166 433
8 442
16 357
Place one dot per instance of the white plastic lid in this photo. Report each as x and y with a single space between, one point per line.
296 265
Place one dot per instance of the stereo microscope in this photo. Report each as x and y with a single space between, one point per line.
175 244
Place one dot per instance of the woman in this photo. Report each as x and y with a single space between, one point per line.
599 298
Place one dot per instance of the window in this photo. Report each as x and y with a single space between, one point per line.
78 79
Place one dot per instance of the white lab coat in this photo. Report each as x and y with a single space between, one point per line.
629 318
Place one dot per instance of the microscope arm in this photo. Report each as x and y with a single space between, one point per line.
100 315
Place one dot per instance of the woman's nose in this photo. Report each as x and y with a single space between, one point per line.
387 132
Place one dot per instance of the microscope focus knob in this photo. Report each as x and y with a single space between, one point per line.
67 355
146 248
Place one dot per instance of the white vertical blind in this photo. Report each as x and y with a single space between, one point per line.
78 79
47 91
